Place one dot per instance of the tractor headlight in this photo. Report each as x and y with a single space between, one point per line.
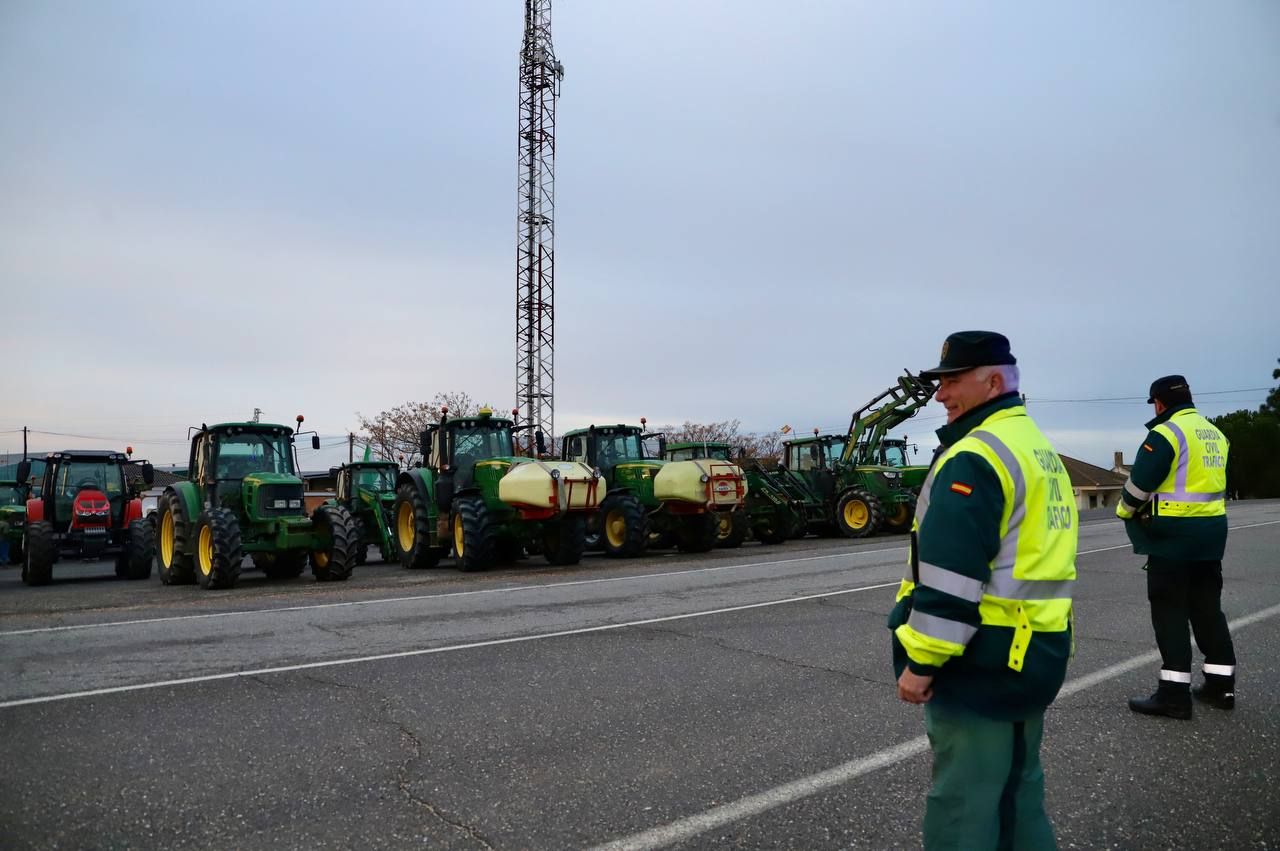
295 503
279 503
890 476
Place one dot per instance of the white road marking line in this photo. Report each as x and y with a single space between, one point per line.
753 805
403 654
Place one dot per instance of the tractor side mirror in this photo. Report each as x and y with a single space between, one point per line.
148 473
24 471
315 441
540 440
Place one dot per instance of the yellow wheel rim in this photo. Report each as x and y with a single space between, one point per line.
855 513
206 550
900 514
459 539
615 528
725 526
166 539
404 527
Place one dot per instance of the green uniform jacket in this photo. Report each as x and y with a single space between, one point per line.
1178 538
962 533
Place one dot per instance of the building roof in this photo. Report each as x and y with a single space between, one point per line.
162 478
1085 475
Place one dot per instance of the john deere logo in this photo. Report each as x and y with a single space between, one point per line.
946 345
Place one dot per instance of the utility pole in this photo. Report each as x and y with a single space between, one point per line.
257 415
540 76
24 443
351 447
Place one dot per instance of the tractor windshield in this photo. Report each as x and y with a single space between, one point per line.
72 477
11 495
702 450
244 453
476 442
893 455
379 479
612 447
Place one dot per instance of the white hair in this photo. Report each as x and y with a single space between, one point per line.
1008 371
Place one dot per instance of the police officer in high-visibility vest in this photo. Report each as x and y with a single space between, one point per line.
1175 511
982 625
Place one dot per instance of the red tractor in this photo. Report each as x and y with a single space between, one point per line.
86 509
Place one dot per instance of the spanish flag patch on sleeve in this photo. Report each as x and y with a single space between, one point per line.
961 488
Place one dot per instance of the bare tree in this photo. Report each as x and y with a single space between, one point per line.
762 446
394 433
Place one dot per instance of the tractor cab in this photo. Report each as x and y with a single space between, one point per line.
606 448
819 452
11 494
82 489
249 466
374 479
454 446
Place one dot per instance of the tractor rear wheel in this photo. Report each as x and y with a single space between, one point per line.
731 529
624 529
698 532
218 549
564 541
40 552
134 562
858 514
771 533
282 565
899 516
411 533
176 567
474 537
335 558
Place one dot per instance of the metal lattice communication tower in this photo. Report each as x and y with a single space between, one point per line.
540 76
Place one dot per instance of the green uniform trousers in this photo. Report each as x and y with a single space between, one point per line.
988 786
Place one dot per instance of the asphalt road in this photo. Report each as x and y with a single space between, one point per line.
741 699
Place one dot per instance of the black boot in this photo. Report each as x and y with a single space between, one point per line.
1172 700
1218 691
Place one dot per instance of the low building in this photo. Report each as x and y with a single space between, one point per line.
1094 487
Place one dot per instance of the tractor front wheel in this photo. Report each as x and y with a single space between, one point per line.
411 532
176 567
899 516
698 532
134 562
333 560
474 538
361 542
218 549
564 541
624 529
40 552
731 529
858 514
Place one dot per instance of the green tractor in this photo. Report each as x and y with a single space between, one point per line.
245 497
769 514
652 502
847 472
476 496
13 517
367 489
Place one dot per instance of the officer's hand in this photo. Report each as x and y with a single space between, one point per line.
915 688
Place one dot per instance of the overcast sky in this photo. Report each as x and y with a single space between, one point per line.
763 211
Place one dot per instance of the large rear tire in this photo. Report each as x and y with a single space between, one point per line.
288 564
139 551
565 540
732 528
858 514
624 528
698 532
475 545
218 549
334 559
172 528
40 553
411 532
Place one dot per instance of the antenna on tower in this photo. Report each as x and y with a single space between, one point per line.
540 76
